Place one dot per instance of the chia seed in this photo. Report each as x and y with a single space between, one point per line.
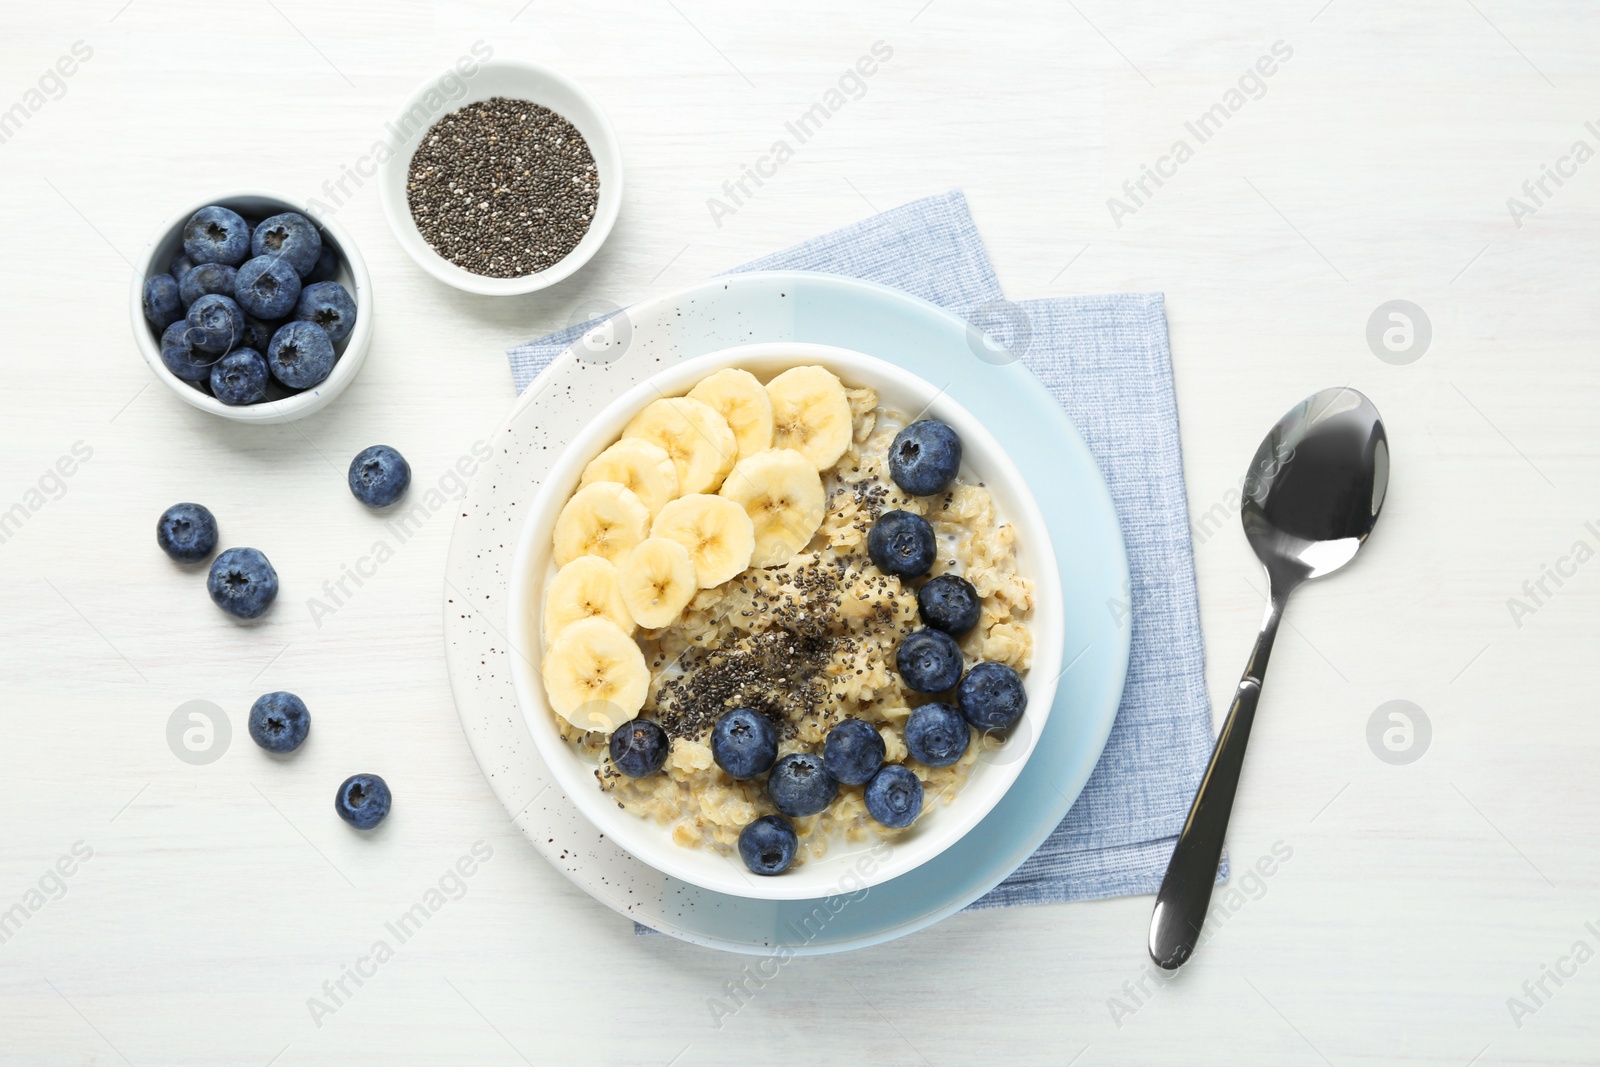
503 188
780 665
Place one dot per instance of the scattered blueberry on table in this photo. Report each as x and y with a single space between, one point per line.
242 583
937 735
949 603
187 532
902 543
929 661
768 845
925 457
799 785
894 796
363 800
744 743
639 748
853 751
279 722
992 696
378 475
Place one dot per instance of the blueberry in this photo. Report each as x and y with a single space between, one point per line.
743 743
639 748
240 377
242 583
187 532
379 476
162 306
279 722
853 752
181 352
258 334
300 355
216 235
950 603
180 265
267 287
768 845
217 322
291 236
894 796
327 268
800 785
992 696
924 457
328 305
902 544
929 661
206 279
363 800
937 735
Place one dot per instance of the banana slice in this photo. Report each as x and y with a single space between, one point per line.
657 580
782 493
698 440
586 588
810 414
595 675
601 519
641 466
717 533
738 396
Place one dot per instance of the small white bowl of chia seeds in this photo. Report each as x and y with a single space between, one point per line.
502 177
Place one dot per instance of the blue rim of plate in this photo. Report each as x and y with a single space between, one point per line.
880 321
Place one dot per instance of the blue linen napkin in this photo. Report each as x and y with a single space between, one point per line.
1105 359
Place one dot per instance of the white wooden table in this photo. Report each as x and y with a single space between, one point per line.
1374 164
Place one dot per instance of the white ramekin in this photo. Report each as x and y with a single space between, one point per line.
519 80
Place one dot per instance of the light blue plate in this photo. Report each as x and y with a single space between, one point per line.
883 322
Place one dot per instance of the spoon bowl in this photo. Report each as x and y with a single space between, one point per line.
1317 484
1311 498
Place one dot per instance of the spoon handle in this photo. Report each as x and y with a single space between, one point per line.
1185 892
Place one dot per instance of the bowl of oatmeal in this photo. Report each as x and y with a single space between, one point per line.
721 657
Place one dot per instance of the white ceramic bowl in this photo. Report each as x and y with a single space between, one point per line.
847 867
168 242
518 80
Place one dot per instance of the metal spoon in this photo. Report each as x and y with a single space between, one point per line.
1311 497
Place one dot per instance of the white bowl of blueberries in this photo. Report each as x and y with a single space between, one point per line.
250 307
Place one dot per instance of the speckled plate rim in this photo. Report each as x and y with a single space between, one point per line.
821 309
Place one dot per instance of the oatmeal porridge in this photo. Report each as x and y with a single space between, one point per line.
782 618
